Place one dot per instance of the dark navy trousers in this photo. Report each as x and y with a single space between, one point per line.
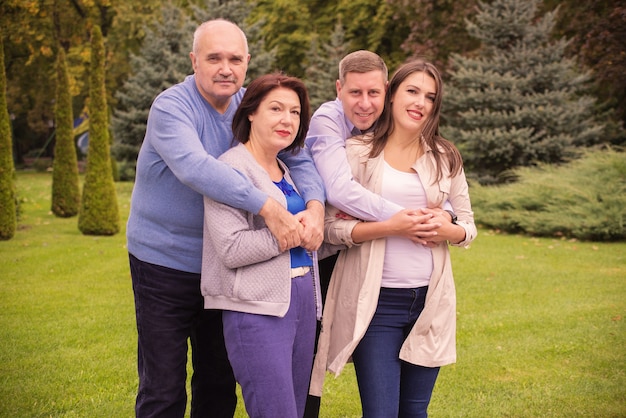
170 313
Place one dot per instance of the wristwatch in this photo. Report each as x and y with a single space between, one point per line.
453 216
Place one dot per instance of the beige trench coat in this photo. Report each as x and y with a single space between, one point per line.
355 283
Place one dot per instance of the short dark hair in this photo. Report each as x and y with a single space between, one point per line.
256 91
361 61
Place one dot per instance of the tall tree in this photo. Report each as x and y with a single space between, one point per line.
65 188
126 36
436 28
374 25
8 216
290 28
322 69
519 100
597 30
99 213
286 30
33 30
367 24
30 41
163 60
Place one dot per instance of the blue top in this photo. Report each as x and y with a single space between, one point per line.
177 165
295 204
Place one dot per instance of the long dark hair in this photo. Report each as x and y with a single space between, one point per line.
256 91
440 147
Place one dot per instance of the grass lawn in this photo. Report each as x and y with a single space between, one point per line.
541 328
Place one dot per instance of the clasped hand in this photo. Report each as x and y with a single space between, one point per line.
305 229
422 226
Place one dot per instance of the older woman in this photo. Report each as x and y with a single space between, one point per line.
391 304
269 297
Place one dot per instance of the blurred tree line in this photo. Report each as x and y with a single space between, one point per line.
147 44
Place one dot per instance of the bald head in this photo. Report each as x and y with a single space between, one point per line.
217 27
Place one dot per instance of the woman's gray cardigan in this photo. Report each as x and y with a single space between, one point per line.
242 267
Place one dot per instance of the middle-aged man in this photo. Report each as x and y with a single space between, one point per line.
188 127
361 89
360 99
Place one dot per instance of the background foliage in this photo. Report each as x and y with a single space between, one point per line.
585 199
396 29
521 101
162 62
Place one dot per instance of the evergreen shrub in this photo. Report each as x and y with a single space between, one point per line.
99 212
65 185
584 199
8 215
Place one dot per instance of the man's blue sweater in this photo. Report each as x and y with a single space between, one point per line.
177 165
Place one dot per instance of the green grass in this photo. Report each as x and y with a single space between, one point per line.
541 330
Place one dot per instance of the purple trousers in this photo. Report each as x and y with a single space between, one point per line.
272 357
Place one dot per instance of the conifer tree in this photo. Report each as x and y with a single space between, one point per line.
519 100
65 187
8 216
99 213
322 70
162 61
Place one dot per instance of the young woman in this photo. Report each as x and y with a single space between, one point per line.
269 297
391 304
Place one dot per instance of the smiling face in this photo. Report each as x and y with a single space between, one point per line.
363 97
220 62
275 123
413 102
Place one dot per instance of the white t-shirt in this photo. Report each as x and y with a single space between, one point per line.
407 264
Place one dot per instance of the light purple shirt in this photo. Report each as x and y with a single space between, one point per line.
326 139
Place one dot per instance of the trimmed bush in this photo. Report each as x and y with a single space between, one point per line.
8 215
99 213
585 199
65 187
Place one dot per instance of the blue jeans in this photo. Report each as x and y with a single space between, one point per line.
170 311
390 387
272 357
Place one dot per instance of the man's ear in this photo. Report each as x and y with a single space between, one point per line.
193 61
338 87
